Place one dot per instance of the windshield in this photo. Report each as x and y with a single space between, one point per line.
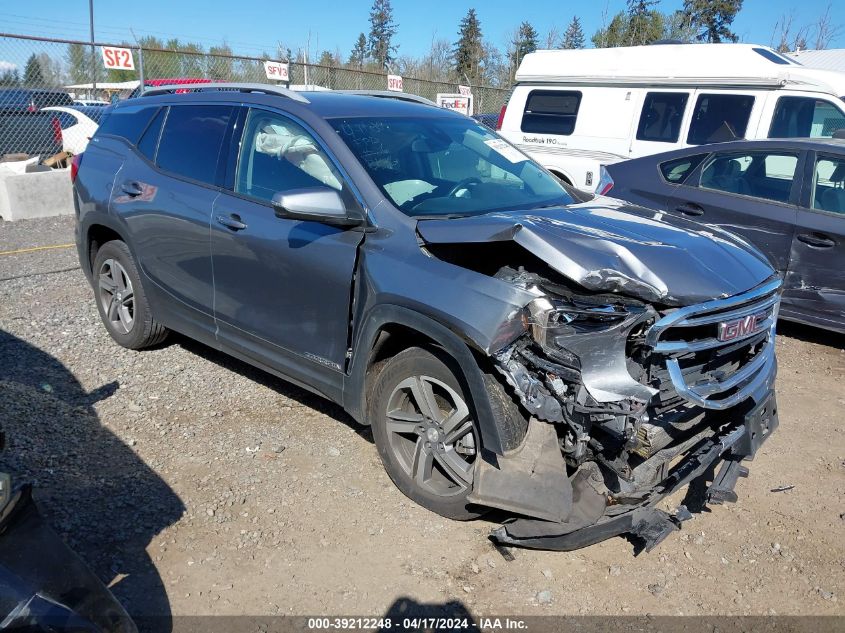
447 166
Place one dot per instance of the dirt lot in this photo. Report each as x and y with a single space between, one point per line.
197 485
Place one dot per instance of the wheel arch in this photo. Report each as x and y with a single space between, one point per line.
95 235
390 329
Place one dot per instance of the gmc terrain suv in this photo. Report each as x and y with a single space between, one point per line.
513 345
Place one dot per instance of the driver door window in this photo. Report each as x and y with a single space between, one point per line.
278 154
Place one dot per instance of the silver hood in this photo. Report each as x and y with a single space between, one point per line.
608 246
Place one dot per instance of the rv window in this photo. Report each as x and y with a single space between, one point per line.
719 117
551 112
805 117
661 116
773 57
676 171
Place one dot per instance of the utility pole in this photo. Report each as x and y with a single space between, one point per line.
93 50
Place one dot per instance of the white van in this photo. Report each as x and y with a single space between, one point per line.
574 110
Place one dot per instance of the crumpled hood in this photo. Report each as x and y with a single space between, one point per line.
608 246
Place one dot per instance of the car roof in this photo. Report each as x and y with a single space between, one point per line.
324 104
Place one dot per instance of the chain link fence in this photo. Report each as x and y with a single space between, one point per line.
38 73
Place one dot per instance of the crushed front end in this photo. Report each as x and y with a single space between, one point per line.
632 401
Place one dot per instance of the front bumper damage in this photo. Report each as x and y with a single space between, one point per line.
597 516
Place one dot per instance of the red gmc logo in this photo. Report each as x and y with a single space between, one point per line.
738 328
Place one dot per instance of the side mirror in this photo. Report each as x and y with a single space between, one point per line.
314 204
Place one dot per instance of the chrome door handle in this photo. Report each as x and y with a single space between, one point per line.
232 222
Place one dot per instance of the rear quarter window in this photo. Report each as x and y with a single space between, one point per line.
676 171
551 111
127 122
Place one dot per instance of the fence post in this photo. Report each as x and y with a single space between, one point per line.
140 69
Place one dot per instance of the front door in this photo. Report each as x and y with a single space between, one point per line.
282 287
815 282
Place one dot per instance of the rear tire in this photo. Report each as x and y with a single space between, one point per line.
121 300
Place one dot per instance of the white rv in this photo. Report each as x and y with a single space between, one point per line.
574 110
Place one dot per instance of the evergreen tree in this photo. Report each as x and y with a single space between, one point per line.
32 75
359 52
382 30
469 49
79 61
10 78
574 35
645 25
526 42
712 19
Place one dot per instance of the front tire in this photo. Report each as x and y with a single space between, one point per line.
121 300
425 429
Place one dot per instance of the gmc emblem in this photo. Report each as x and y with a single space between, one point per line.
738 328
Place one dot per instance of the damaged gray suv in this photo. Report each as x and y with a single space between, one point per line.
513 343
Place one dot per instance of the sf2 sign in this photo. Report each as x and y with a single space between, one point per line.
118 58
278 71
394 82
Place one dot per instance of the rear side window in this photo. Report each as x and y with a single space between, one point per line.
149 140
551 112
661 117
763 175
718 118
45 98
829 185
804 117
128 123
676 171
191 140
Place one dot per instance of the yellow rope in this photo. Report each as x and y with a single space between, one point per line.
36 248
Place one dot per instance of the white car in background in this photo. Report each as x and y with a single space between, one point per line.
78 125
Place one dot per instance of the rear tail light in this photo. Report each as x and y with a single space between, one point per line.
57 130
605 182
75 162
501 118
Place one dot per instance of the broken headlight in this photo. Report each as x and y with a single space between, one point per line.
553 320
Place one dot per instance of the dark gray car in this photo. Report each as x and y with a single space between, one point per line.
570 362
787 197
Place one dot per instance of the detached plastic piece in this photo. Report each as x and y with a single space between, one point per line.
722 489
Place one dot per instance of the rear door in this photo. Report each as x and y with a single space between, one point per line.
165 193
282 286
815 287
751 193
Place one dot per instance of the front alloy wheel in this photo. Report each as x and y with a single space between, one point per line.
431 434
425 429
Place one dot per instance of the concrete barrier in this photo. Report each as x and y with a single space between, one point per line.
35 195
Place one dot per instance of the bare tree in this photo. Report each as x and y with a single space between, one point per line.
784 39
552 38
826 30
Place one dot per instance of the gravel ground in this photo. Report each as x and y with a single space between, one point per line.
194 484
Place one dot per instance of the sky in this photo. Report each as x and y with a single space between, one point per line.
251 27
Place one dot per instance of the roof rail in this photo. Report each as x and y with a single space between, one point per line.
389 94
233 87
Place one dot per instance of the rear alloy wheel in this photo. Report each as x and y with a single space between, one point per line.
121 300
426 433
117 297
